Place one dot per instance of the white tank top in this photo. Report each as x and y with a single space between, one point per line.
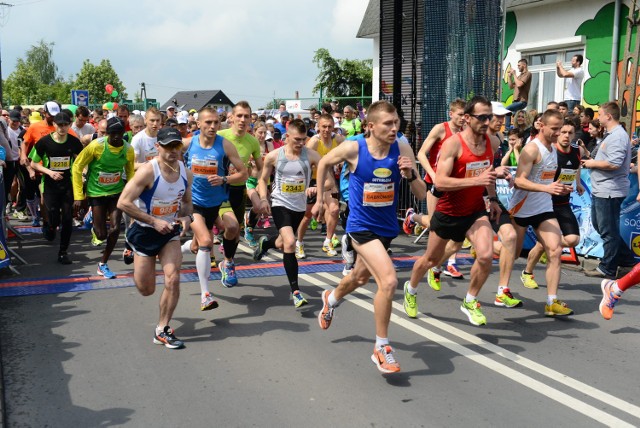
164 198
291 181
526 204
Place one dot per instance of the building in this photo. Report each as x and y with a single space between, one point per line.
187 100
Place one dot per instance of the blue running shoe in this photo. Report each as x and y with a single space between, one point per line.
228 271
103 270
248 236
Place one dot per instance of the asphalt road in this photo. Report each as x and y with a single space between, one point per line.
79 352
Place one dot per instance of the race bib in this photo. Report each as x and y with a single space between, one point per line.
60 163
378 194
548 175
164 208
204 167
568 176
108 178
292 185
151 154
475 169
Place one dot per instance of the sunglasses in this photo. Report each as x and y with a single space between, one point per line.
482 117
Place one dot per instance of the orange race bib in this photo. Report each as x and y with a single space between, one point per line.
378 194
163 208
548 175
475 169
204 167
108 178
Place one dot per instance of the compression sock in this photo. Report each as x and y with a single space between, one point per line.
203 266
291 268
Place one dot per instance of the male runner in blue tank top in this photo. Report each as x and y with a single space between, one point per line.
376 164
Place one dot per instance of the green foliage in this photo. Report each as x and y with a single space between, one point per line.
342 77
95 77
22 85
40 58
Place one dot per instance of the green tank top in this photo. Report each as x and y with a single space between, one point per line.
104 177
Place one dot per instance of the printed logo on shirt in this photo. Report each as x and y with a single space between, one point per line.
382 172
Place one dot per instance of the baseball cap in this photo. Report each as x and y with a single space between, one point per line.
268 137
52 108
35 117
114 126
15 115
62 118
183 117
171 122
193 111
284 114
499 109
171 108
168 136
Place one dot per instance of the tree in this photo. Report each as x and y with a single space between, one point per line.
22 84
342 77
94 78
40 58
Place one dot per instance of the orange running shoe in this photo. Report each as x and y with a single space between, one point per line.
326 313
609 299
383 358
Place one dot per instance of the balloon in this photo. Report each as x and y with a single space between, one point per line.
73 108
115 106
108 88
114 94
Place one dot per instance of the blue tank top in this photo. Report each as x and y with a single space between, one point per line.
202 163
373 192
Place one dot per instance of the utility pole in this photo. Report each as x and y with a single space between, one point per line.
3 15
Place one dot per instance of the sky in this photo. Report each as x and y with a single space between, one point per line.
249 49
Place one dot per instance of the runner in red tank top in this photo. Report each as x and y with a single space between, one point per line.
464 171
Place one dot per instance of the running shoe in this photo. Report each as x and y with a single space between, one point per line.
348 257
507 300
335 241
418 230
127 256
383 358
168 339
77 223
217 239
313 225
248 236
221 249
35 222
298 299
259 252
557 309
94 239
466 244
326 313
543 258
63 259
49 233
208 302
453 272
528 281
213 260
228 271
609 299
88 219
260 223
473 312
433 279
20 215
300 254
327 247
266 223
410 302
408 225
103 270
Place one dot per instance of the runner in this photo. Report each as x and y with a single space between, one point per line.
292 165
57 152
568 173
106 158
531 203
207 155
612 290
464 172
322 143
233 210
251 218
157 197
144 142
376 164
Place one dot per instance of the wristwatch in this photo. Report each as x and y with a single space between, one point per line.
224 180
413 176
190 217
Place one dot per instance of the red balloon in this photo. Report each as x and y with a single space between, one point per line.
115 106
108 88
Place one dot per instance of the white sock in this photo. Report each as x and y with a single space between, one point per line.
298 243
551 298
327 241
616 289
186 247
381 341
501 289
469 298
333 302
436 269
159 329
452 260
203 266
412 290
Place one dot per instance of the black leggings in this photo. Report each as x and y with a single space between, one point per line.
59 206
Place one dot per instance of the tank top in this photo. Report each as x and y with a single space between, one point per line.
105 174
202 163
323 150
164 198
567 172
464 202
526 204
373 192
435 150
291 181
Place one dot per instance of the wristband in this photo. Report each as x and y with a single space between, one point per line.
413 176
190 217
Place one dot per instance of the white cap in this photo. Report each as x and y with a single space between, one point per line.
136 112
52 108
268 136
499 110
183 117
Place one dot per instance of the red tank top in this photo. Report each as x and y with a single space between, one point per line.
435 150
460 203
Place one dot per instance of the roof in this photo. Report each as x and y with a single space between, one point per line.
370 25
188 100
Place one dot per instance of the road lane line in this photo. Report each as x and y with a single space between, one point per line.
500 368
